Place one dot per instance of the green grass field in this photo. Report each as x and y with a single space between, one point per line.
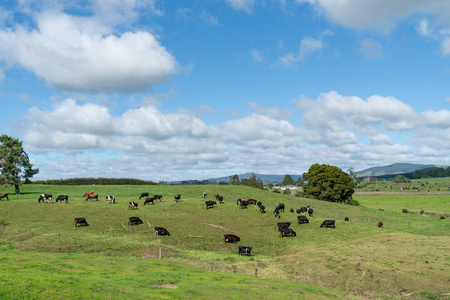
408 256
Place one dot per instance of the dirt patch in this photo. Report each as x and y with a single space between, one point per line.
165 285
215 225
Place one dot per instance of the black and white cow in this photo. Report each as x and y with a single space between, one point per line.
177 197
62 198
283 225
132 205
158 197
80 221
110 199
44 197
280 207
218 197
161 231
287 232
310 211
245 250
302 219
231 238
149 200
262 209
276 213
252 202
143 195
134 221
259 203
210 204
328 223
204 195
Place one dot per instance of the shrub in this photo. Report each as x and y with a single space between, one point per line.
353 202
286 192
405 211
276 191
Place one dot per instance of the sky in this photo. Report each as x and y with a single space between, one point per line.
176 90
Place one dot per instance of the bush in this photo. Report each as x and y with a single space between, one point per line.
405 211
286 192
276 191
353 202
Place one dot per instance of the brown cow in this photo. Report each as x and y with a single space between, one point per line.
380 224
4 195
87 193
92 196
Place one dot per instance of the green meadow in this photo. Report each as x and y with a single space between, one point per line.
43 255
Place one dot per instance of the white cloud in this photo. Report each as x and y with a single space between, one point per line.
370 49
77 53
256 55
308 46
245 5
273 112
439 119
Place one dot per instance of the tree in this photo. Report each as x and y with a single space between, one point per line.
234 180
328 183
14 162
400 179
353 175
288 180
299 181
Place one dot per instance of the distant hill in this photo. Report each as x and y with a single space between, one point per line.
266 178
393 169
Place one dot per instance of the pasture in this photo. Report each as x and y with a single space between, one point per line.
408 256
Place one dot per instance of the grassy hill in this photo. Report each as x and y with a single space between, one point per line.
40 241
393 169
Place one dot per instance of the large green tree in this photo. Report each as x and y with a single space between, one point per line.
288 180
234 180
329 183
14 162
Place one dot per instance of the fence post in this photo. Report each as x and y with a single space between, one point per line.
256 270
159 253
212 266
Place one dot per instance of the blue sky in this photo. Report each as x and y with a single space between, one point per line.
171 90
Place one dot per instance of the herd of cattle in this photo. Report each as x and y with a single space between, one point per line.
283 227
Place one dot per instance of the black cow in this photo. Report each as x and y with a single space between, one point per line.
302 210
134 220
132 205
442 217
287 232
177 197
44 197
328 223
161 231
252 201
158 197
302 219
276 213
310 211
259 203
245 250
150 200
110 199
346 219
243 203
262 209
210 204
80 221
283 225
280 206
143 195
62 198
231 238
291 210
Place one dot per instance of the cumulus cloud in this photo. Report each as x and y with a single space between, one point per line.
245 5
308 46
273 112
256 55
370 49
78 53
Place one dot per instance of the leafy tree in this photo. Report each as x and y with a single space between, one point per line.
353 175
400 179
288 180
253 182
328 183
299 181
14 162
234 180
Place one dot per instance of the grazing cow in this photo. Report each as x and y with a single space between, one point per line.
150 200
204 195
62 198
210 204
380 224
158 197
231 238
4 195
134 220
177 197
291 210
143 195
110 199
442 217
302 210
243 203
262 209
310 211
132 205
280 206
276 213
161 231
245 250
302 219
238 201
44 197
80 221
346 219
92 196
287 232
259 203
87 193
283 225
218 197
252 202
328 223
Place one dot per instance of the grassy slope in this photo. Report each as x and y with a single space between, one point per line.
408 255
